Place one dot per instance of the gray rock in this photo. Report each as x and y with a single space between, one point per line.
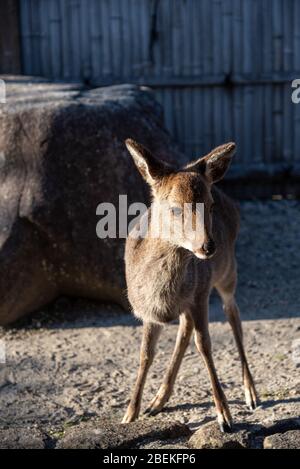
287 440
106 434
282 425
62 153
21 438
209 436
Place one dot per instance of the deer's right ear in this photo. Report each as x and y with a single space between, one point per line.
150 167
214 165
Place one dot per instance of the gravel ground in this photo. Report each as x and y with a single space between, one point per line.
77 360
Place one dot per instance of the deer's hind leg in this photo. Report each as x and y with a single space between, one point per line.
182 341
203 344
151 333
226 290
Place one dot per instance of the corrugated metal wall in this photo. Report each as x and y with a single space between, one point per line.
221 68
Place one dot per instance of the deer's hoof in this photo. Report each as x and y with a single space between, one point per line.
224 419
130 416
152 412
158 402
225 427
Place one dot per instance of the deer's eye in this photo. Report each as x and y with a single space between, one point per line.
176 211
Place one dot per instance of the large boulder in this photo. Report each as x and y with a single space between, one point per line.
109 434
287 440
62 153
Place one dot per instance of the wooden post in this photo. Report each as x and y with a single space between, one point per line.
10 55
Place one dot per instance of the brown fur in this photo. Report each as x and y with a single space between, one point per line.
166 281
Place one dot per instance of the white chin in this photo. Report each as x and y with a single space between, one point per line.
200 256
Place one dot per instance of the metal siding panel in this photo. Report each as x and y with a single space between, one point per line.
216 37
168 109
207 28
267 37
296 45
55 43
256 132
133 40
112 41
177 51
268 124
257 37
85 28
247 24
197 37
186 38
237 19
26 48
45 40
66 49
117 46
107 41
278 127
248 121
74 12
226 38
95 40
35 35
155 33
200 123
288 33
238 120
126 41
145 37
277 35
164 41
217 115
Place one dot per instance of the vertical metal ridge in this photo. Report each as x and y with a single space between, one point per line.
135 40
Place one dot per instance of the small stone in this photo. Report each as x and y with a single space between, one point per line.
287 440
209 436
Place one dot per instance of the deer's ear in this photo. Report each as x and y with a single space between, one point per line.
150 167
214 165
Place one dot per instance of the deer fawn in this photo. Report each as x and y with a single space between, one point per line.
173 278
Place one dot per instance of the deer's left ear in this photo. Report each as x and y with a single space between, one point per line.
151 168
214 165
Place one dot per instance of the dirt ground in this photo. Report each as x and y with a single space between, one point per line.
77 360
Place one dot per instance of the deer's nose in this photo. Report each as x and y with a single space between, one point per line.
209 248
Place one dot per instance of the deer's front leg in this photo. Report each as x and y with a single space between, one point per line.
150 335
203 344
183 338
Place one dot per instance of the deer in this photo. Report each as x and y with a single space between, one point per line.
172 278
